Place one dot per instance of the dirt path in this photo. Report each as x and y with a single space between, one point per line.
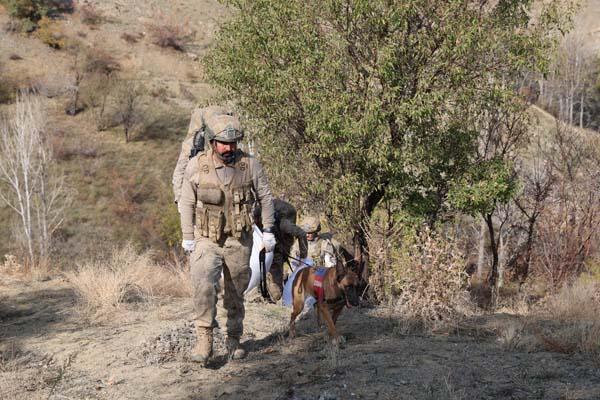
47 351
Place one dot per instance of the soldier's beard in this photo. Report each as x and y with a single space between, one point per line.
227 157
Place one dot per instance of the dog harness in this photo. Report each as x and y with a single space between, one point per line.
318 283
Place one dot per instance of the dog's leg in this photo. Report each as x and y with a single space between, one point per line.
292 331
298 306
323 309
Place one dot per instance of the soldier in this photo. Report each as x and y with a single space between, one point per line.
193 143
219 189
286 232
322 248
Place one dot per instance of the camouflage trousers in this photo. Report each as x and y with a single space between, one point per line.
208 260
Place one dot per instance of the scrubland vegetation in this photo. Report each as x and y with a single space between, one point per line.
458 161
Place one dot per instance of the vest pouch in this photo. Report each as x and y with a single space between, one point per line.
210 195
216 223
202 221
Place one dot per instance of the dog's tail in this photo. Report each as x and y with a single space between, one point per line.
301 274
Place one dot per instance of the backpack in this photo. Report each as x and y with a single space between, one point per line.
198 121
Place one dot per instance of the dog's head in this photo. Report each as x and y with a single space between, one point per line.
348 284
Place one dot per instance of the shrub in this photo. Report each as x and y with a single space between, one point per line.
170 225
51 33
32 11
104 287
90 15
131 37
128 108
170 32
429 283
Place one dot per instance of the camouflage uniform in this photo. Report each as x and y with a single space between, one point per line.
216 209
322 249
286 232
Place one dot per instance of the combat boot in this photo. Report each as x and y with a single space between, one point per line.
203 349
234 349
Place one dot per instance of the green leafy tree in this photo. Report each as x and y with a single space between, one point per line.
354 102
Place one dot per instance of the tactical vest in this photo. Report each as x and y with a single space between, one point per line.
224 209
317 249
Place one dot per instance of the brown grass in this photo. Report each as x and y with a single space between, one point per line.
107 286
577 308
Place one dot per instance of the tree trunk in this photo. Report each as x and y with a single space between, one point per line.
501 260
581 110
493 276
360 242
481 255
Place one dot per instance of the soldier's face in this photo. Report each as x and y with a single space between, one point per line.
225 147
311 236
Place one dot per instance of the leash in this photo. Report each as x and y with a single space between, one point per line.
312 265
296 259
263 275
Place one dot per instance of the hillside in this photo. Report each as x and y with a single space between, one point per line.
121 190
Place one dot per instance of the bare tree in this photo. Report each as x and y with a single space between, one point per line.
36 192
569 86
128 111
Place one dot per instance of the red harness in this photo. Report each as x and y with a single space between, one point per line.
318 284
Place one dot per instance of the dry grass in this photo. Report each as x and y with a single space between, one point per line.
576 302
14 266
510 336
106 286
576 308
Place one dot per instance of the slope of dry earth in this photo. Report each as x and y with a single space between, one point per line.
47 351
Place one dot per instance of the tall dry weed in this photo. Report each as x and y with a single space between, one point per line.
106 286
423 275
576 308
579 301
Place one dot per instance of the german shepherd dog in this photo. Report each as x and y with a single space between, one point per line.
339 290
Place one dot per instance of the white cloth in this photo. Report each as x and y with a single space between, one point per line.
287 297
257 246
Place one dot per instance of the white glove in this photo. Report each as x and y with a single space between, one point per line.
188 245
329 261
269 241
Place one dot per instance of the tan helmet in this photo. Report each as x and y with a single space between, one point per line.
223 128
311 224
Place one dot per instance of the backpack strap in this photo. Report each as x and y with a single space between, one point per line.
197 143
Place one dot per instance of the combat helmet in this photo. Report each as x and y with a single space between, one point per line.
223 128
311 224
